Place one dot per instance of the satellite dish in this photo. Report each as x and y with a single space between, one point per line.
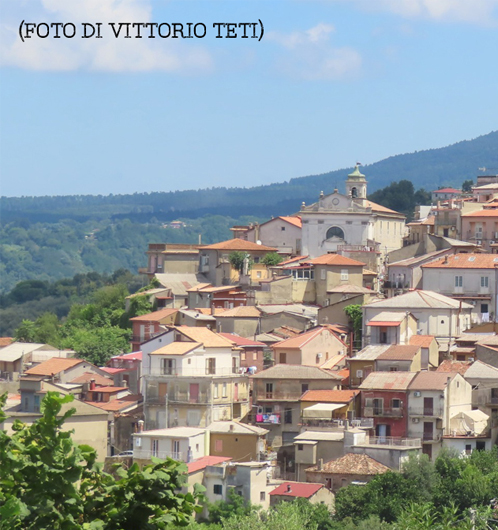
258 242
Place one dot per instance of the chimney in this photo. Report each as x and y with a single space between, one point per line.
92 384
212 309
140 425
320 464
289 489
446 260
200 239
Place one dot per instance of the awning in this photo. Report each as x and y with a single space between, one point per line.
322 411
386 324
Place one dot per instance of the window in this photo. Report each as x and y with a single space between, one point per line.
210 365
323 274
300 447
154 447
218 489
304 387
283 358
256 259
484 308
224 391
288 416
37 403
262 495
258 274
393 368
344 274
396 403
168 366
215 391
336 232
243 356
484 281
254 356
303 274
283 228
458 281
269 390
383 335
468 449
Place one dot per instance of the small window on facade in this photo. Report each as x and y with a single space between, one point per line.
224 390
262 495
468 449
458 281
215 391
396 403
484 281
344 274
243 356
283 228
218 489
300 447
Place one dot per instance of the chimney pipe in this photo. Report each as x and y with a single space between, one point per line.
92 384
140 425
289 489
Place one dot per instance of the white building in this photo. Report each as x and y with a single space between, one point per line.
350 222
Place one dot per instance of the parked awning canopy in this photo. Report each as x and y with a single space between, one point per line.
322 411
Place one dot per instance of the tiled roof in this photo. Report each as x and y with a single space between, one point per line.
482 213
329 396
296 221
422 340
297 259
5 341
297 489
110 389
418 259
378 208
238 244
177 348
352 464
53 366
241 341
465 261
387 381
447 190
370 352
431 380
203 462
482 370
205 336
155 316
420 300
348 288
295 371
241 311
399 352
336 259
449 366
88 376
302 339
208 310
136 355
116 405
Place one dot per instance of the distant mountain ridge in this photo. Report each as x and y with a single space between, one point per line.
429 169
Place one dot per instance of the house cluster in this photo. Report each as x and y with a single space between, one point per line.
261 379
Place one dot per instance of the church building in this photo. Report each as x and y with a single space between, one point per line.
342 223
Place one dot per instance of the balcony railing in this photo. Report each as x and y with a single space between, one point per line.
142 454
394 441
370 412
431 412
277 396
185 397
268 418
196 372
434 438
364 423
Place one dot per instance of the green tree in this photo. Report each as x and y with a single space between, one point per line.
48 482
355 314
234 506
271 259
237 260
467 185
26 332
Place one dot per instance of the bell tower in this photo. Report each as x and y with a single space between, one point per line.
356 184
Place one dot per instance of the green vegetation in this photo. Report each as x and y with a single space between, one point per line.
237 260
402 197
46 481
271 259
355 314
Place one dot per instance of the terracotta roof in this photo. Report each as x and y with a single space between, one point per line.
208 310
296 221
329 396
447 190
292 260
419 299
5 341
155 316
110 389
203 462
344 374
431 380
116 405
295 371
303 338
204 336
352 464
297 489
482 213
422 340
53 366
368 272
136 355
177 348
334 361
110 370
387 381
465 261
378 208
241 341
238 244
88 376
241 311
399 352
335 259
449 365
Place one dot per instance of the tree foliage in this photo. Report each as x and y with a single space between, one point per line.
272 259
46 481
237 260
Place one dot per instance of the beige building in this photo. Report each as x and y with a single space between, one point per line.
314 493
239 441
171 258
242 320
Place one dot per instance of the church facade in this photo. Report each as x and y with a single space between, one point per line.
348 222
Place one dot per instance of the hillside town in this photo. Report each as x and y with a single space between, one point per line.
304 354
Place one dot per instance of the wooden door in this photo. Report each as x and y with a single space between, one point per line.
194 392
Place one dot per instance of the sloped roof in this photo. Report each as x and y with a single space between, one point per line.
303 338
335 259
370 352
418 259
449 366
179 283
482 213
423 341
6 341
241 341
133 356
378 208
295 371
235 427
177 348
54 366
203 462
241 311
352 464
447 190
330 436
329 396
205 336
431 380
482 370
348 288
296 221
399 352
155 316
465 261
16 350
238 244
88 376
297 489
387 381
418 299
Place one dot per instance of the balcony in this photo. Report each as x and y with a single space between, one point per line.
394 441
362 423
431 438
385 412
268 419
146 454
277 396
197 372
185 397
428 412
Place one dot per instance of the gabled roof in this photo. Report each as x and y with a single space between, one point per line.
238 244
370 352
242 341
336 259
297 489
419 259
431 380
177 348
203 462
465 261
381 209
303 338
295 371
88 376
204 336
418 299
447 190
388 381
133 356
352 464
54 366
155 316
482 213
293 220
423 341
241 311
16 350
399 352
330 396
448 366
481 370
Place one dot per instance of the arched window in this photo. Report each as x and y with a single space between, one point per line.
354 193
335 231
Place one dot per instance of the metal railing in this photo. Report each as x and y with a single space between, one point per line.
369 412
364 423
196 372
146 454
394 441
434 412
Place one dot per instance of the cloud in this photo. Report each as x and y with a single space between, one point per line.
107 54
309 55
469 11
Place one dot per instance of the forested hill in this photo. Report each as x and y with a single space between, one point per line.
447 166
